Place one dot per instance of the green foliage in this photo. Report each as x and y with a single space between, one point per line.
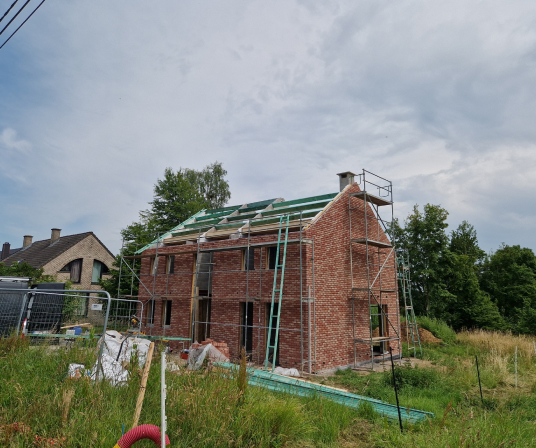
463 241
509 277
25 270
469 307
438 328
425 240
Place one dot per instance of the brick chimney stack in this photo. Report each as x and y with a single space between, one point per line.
27 241
5 251
55 236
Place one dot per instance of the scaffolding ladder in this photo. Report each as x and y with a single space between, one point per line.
404 281
277 289
378 254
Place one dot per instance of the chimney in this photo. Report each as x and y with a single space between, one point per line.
346 178
5 251
27 241
55 236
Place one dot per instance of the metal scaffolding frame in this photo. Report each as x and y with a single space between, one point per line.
307 302
373 294
368 206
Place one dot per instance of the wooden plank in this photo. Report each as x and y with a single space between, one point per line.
374 243
377 200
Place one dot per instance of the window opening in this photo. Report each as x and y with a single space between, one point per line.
203 311
166 313
170 267
246 326
248 259
270 260
150 312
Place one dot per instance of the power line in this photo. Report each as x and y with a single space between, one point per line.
10 8
38 6
18 12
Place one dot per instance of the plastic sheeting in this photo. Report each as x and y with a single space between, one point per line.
198 355
116 354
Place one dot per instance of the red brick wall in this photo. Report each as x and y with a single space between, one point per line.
332 329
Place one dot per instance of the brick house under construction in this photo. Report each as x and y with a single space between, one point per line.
334 296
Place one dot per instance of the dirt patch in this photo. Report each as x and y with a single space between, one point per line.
424 335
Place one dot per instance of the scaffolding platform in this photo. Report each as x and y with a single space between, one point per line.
372 243
376 200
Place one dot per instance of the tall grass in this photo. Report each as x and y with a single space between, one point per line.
40 406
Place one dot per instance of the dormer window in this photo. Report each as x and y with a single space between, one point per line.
75 268
99 269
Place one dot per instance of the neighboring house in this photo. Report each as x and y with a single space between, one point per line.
213 276
81 258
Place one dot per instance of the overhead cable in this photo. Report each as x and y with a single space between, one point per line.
10 8
18 12
20 26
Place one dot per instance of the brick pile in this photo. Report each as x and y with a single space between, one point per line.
221 346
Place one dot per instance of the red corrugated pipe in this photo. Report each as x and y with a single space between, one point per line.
151 432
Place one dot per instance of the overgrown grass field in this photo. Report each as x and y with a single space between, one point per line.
41 407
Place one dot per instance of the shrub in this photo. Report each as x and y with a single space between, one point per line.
438 328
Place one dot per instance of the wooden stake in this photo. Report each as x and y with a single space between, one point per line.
143 385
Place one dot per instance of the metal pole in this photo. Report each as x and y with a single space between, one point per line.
22 308
516 365
479 383
163 419
301 300
396 390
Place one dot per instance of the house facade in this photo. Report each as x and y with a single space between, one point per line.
81 258
213 277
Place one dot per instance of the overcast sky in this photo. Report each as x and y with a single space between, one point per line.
98 97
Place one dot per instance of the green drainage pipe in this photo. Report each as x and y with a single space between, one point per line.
280 383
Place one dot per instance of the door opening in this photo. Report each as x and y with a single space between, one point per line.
246 327
273 354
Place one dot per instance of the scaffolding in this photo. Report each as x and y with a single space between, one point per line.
196 235
367 226
404 280
255 297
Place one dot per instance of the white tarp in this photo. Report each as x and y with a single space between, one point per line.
198 355
286 372
116 352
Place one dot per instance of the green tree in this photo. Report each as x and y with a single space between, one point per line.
425 239
509 277
25 270
177 196
468 306
463 241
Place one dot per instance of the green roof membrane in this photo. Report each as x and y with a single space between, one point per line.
242 216
322 197
182 232
296 208
212 216
202 223
230 208
233 225
293 217
257 205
